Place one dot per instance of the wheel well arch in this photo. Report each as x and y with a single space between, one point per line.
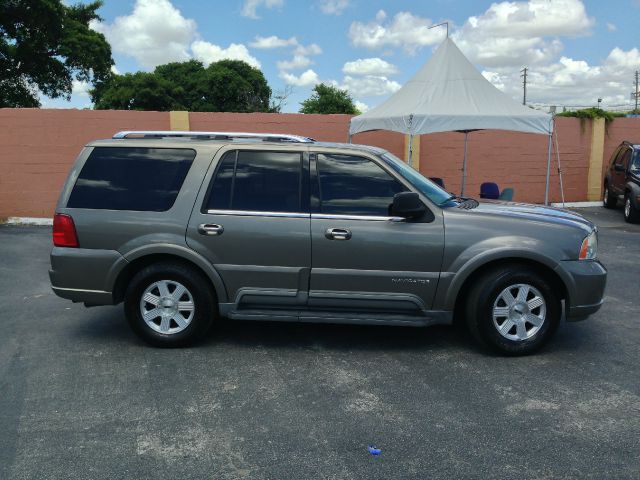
548 273
133 267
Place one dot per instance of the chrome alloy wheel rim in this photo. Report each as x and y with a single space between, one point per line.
606 195
519 312
167 307
627 207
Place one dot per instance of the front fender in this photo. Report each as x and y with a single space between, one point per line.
634 188
489 251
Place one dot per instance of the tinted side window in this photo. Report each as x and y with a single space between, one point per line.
220 194
624 158
351 185
141 179
616 154
257 181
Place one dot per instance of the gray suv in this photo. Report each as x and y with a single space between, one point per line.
188 227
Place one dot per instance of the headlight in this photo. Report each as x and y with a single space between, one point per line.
589 248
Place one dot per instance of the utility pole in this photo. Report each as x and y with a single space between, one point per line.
524 84
636 94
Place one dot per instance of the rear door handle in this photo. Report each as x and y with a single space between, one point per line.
210 229
338 234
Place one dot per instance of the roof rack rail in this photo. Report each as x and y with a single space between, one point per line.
265 137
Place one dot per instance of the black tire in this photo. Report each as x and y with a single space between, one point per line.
631 213
198 293
485 292
608 199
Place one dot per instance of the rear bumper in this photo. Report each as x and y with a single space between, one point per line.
83 275
586 281
90 297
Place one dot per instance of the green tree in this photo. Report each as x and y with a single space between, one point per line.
44 46
137 91
224 86
328 99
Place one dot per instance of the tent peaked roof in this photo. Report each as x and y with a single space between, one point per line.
449 94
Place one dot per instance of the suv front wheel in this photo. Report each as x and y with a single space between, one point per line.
169 304
631 213
609 200
513 310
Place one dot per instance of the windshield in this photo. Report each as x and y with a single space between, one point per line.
436 194
635 165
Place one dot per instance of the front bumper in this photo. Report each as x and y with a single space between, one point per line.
585 281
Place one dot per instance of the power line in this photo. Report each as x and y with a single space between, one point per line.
524 85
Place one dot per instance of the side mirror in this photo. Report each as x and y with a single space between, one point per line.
618 167
407 205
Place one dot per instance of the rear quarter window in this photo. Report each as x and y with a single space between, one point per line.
131 178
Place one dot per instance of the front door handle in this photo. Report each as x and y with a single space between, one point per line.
338 234
210 229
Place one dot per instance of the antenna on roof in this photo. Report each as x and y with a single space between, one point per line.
439 25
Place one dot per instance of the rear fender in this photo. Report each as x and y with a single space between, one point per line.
178 251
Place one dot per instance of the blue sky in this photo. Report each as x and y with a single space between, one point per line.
576 51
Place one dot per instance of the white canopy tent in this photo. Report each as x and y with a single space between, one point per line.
449 94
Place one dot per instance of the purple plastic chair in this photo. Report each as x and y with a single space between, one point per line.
489 190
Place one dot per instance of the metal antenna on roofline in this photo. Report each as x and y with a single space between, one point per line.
439 25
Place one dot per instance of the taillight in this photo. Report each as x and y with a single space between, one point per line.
64 231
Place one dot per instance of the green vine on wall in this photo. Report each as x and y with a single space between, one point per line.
592 114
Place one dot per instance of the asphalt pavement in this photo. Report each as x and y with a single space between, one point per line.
81 397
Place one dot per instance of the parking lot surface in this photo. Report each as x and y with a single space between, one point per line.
82 397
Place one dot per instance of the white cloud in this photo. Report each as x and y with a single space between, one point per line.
369 66
313 49
209 53
361 106
534 18
512 33
306 79
250 7
369 85
619 58
333 7
495 78
300 57
298 61
154 33
569 81
611 27
80 88
405 30
272 42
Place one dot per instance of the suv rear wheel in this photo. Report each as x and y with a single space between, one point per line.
631 213
513 310
169 304
608 200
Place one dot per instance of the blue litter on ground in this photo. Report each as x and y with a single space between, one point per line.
374 450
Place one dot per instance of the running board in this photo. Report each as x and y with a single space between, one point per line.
305 316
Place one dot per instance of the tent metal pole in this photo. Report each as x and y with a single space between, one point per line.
546 189
350 137
410 149
464 165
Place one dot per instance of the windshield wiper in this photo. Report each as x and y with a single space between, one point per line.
451 197
468 203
